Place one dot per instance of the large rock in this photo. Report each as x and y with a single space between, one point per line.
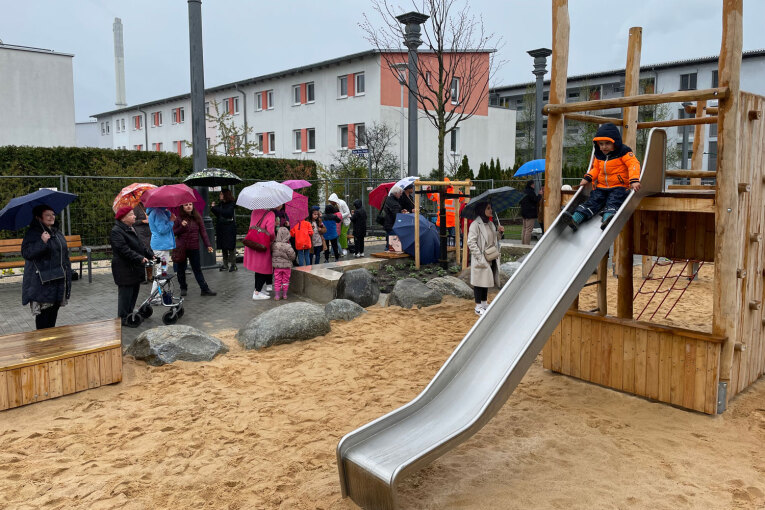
166 344
343 310
283 325
359 286
451 285
411 292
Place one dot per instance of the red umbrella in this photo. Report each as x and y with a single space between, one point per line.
377 196
171 195
297 208
199 204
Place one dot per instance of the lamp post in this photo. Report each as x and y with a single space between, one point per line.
412 21
401 68
199 157
540 69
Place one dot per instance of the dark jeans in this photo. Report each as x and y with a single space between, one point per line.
196 267
607 199
358 243
317 254
47 318
261 280
481 294
333 243
127 295
229 258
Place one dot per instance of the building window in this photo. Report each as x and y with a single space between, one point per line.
455 91
343 137
179 144
342 83
207 107
713 130
270 99
122 121
359 77
271 143
103 128
107 127
715 79
157 147
258 101
573 94
454 141
207 142
179 115
427 77
260 143
156 119
688 81
231 106
137 122
295 95
712 156
361 135
310 92
298 141
138 147
311 135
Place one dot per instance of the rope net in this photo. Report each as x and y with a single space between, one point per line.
665 284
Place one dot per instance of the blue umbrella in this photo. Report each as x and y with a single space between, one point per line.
533 167
18 213
500 199
430 247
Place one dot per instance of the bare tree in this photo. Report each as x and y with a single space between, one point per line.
378 139
231 139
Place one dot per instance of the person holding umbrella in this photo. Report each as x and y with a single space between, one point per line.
225 229
188 229
391 207
529 211
128 258
47 281
343 209
484 250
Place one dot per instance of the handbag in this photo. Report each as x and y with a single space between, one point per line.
491 253
257 237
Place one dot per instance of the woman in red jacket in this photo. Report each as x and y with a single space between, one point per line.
188 228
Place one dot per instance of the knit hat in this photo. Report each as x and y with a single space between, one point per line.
315 208
122 212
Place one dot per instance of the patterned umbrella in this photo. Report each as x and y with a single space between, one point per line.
500 199
297 184
297 208
171 195
377 196
131 195
264 195
212 177
406 181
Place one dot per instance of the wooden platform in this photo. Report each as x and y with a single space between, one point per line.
49 363
390 255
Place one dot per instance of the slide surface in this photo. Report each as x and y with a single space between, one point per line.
491 360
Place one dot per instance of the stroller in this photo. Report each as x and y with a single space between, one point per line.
162 295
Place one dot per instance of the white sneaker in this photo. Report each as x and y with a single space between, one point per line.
259 295
345 252
361 255
479 310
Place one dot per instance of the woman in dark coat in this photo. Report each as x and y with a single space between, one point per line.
47 281
359 222
225 229
128 258
189 228
391 207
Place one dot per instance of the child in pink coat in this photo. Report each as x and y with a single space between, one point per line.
282 255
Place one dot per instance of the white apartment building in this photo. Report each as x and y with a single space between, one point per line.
36 97
311 112
699 73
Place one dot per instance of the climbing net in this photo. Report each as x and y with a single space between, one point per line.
667 283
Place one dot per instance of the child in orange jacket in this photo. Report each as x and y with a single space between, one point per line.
615 170
303 232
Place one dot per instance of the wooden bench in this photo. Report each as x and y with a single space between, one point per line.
48 363
13 246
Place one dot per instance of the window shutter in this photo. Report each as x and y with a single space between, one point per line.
265 100
351 133
351 87
304 137
303 99
265 143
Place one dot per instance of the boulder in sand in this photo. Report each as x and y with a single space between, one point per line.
359 286
411 292
283 325
451 285
343 310
166 344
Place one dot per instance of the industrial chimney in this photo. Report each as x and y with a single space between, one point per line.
119 64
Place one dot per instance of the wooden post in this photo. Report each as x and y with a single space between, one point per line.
559 72
647 265
698 143
603 286
416 227
624 245
725 301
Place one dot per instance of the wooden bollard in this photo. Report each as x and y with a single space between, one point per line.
739 347
744 187
756 237
754 305
741 273
755 114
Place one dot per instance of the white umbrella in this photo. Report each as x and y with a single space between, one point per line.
264 195
406 181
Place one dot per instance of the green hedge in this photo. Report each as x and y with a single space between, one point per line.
91 214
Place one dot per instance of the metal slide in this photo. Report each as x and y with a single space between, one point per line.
493 357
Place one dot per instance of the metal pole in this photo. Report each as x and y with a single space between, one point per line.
540 69
68 211
401 134
199 153
412 22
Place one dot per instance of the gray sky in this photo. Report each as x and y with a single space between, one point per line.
246 38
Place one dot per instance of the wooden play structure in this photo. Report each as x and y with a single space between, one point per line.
720 224
460 189
48 363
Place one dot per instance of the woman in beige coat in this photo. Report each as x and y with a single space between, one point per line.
483 273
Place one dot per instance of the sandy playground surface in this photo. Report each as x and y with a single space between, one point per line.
258 430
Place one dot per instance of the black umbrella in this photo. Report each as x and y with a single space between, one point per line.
212 177
500 199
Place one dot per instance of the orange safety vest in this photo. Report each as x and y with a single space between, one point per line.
450 205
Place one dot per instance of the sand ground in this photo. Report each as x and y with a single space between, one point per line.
256 430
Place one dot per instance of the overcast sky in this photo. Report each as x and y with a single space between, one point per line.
247 38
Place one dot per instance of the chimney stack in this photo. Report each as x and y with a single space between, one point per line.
119 63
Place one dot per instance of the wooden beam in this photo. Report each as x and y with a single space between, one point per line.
687 187
668 203
677 122
690 173
698 145
725 302
442 183
710 110
594 119
555 127
640 100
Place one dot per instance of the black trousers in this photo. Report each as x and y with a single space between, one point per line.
229 258
333 243
481 294
127 295
261 280
47 318
196 266
607 200
358 243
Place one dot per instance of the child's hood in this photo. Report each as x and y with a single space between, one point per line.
282 235
609 131
357 203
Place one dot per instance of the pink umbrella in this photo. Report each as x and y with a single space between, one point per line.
297 208
199 204
297 184
171 195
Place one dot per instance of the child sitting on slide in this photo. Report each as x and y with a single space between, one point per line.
615 170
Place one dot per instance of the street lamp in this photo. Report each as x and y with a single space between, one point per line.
412 21
401 72
540 69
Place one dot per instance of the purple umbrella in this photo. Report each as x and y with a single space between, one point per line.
171 195
297 184
199 204
297 208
